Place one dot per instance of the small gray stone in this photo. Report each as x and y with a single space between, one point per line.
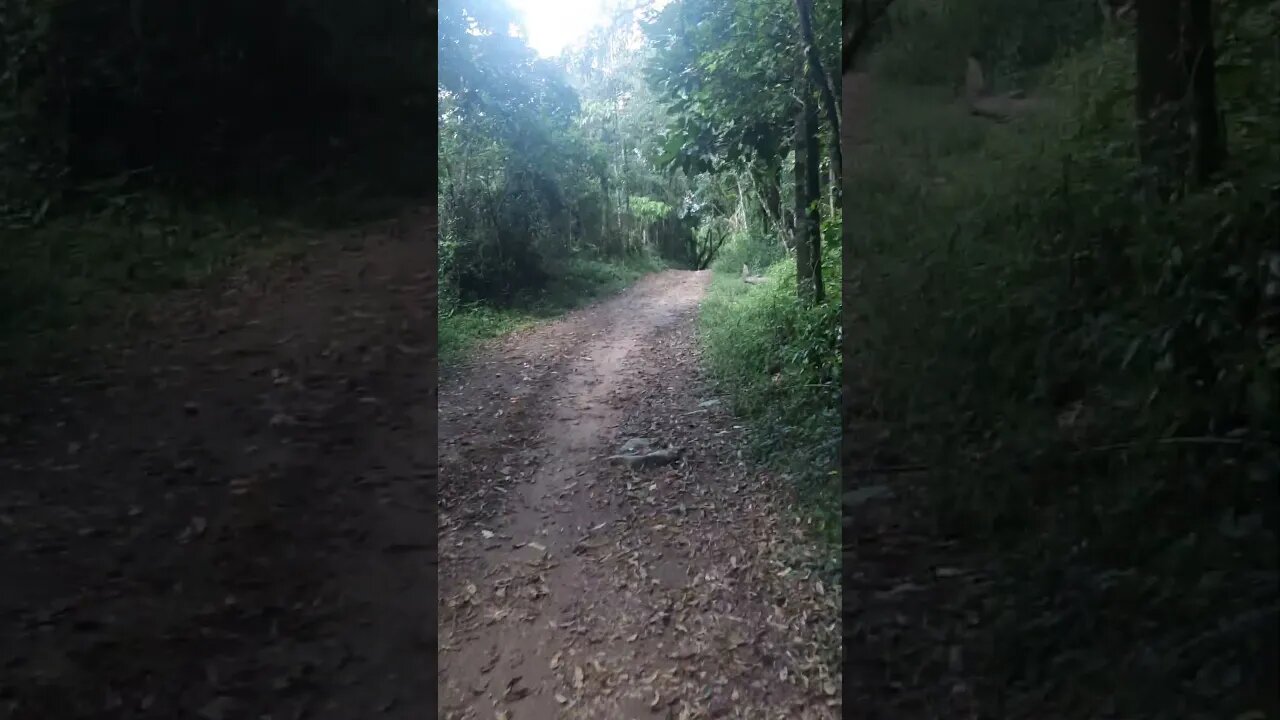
636 445
653 459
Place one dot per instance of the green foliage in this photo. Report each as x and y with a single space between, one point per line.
542 160
779 362
583 280
550 196
750 248
1092 378
462 328
726 73
649 210
575 282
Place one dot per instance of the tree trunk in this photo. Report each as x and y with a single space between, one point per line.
1210 146
624 205
808 235
804 288
604 211
820 79
1162 84
833 197
812 217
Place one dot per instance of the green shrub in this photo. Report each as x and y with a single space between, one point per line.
574 282
1093 379
778 361
752 249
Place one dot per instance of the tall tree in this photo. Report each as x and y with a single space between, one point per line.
812 234
808 237
820 79
1210 145
1162 85
804 284
727 72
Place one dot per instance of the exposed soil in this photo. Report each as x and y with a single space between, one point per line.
231 515
572 587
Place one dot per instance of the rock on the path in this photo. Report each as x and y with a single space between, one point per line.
665 456
637 453
636 445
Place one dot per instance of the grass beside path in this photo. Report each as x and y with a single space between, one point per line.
777 361
575 283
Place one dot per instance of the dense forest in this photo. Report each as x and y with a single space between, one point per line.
667 134
639 337
147 146
699 135
1047 344
1061 297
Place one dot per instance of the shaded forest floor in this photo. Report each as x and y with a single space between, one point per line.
228 515
576 587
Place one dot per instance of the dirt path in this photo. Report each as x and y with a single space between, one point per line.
575 588
230 515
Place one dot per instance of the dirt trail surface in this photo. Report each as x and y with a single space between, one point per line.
231 514
577 587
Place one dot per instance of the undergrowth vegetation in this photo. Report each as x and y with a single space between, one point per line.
1092 376
551 192
687 134
575 282
778 362
230 127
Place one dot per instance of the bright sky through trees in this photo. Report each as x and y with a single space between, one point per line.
553 25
